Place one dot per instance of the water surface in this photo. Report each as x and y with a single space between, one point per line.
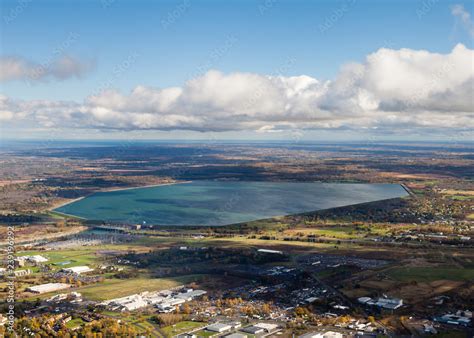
221 203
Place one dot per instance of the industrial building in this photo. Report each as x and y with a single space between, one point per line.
219 327
35 259
270 251
48 287
386 303
169 305
222 327
191 294
165 301
453 320
77 269
261 328
129 303
21 273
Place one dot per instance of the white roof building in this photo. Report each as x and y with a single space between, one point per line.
219 327
78 269
35 258
163 301
134 304
389 303
386 303
363 300
267 326
128 303
270 251
48 287
152 300
191 294
20 273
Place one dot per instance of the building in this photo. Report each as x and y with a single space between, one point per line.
270 328
190 295
169 305
21 273
219 327
36 259
386 303
165 301
270 251
133 304
389 303
261 328
48 287
464 313
364 300
77 269
155 299
73 297
128 303
453 320
253 330
235 325
20 261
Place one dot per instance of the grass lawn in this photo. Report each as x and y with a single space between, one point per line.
430 274
143 326
205 333
55 215
181 327
74 323
113 288
247 334
75 257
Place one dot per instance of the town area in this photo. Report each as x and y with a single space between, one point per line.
392 268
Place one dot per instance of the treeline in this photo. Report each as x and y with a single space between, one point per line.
48 326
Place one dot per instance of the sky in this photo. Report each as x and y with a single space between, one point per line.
269 69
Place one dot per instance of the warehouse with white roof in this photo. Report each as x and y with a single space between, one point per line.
77 269
48 287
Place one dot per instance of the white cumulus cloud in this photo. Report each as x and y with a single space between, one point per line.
391 89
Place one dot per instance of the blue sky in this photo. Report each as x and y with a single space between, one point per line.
164 43
267 34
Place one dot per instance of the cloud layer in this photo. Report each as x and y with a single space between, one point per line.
16 68
391 89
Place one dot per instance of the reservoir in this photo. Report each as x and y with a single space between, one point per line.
214 203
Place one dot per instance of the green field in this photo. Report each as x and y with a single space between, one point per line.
75 257
181 327
114 288
74 323
205 333
430 274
